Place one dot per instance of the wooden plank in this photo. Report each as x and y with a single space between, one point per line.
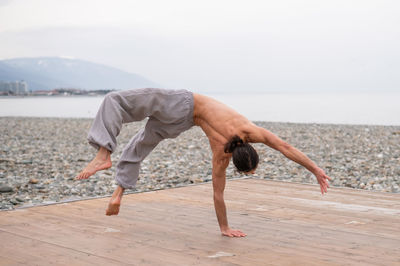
18 250
286 223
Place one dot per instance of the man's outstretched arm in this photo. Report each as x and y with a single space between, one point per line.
264 136
219 179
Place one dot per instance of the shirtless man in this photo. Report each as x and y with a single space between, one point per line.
171 112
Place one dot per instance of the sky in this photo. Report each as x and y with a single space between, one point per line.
218 45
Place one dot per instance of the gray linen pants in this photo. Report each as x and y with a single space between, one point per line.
170 112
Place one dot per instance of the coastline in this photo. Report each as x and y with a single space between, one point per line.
39 158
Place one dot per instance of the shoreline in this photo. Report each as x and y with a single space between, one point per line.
254 121
322 108
39 157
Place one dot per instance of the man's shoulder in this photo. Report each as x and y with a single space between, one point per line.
253 133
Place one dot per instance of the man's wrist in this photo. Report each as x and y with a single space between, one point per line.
314 169
224 228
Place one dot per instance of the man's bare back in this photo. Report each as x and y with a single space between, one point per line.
220 123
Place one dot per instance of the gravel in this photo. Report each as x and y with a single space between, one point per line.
40 157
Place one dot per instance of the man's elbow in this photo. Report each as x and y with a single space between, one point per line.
218 196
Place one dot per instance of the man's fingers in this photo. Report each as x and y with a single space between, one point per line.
326 183
234 233
242 234
323 181
322 189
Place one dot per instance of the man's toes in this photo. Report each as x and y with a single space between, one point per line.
82 175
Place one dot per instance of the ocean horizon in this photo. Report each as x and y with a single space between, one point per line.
369 108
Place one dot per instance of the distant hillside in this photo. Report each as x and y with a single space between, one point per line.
45 73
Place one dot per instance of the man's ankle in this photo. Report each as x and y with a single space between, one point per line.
119 191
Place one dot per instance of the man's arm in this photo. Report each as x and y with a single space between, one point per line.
219 179
261 135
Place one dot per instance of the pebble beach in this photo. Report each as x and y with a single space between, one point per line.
40 157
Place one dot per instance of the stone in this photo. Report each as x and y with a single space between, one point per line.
183 179
348 185
196 180
33 181
74 191
377 187
6 160
19 199
5 189
14 202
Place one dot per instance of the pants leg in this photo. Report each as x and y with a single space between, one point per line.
170 112
136 151
108 122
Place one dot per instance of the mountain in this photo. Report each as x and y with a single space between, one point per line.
45 73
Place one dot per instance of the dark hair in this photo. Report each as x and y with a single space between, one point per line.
244 156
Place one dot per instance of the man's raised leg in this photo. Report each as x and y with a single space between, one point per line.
100 162
115 201
104 131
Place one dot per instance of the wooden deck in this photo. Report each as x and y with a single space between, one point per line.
286 223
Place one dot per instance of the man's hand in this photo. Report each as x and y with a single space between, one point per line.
232 233
322 179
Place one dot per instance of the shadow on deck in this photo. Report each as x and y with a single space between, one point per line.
286 223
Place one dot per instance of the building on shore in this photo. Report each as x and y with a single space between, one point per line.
70 92
13 87
19 88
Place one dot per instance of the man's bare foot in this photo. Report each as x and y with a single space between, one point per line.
115 201
100 162
113 206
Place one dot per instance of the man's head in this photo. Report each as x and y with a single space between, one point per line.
244 156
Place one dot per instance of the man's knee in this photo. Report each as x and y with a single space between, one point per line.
112 95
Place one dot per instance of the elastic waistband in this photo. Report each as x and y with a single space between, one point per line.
190 102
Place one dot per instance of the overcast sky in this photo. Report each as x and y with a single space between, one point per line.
218 45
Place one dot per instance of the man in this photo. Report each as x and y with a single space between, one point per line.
171 112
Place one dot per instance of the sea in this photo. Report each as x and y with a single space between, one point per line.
359 108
